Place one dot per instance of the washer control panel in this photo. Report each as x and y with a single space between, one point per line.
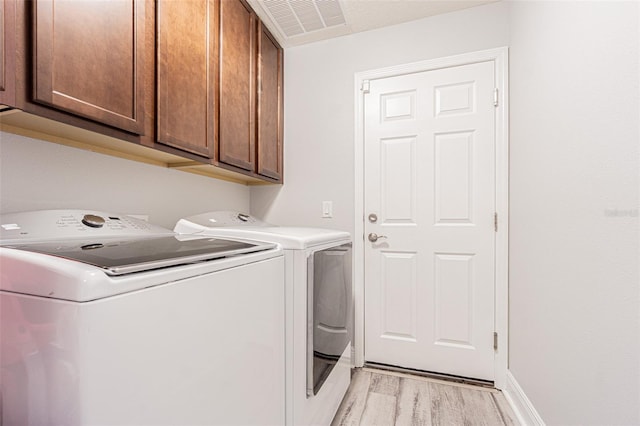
62 224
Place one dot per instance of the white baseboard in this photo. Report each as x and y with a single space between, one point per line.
520 404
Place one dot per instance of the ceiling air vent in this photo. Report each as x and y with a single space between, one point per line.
297 17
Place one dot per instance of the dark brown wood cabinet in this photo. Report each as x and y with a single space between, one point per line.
88 59
200 81
187 64
237 95
270 106
7 52
219 85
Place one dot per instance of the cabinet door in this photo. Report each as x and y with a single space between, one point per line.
270 108
237 112
89 59
7 52
187 74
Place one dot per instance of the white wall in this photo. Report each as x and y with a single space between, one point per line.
574 258
38 175
319 107
574 246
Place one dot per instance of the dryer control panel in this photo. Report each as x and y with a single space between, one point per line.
63 224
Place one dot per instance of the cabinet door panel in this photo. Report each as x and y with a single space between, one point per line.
237 84
89 59
3 52
187 65
270 117
7 52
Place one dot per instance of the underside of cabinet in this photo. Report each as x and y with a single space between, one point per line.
24 124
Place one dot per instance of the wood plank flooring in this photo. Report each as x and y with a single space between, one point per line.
382 398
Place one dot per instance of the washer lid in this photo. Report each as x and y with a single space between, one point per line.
126 255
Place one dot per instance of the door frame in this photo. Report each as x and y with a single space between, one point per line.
499 57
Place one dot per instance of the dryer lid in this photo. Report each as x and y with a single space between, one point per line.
237 225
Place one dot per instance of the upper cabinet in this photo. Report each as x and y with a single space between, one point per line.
270 106
187 74
250 109
220 85
88 59
196 82
237 108
7 52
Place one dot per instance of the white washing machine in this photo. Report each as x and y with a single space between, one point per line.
108 320
319 308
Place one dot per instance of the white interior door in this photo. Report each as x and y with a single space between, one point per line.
430 183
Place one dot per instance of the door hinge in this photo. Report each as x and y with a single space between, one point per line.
495 97
495 341
365 87
495 222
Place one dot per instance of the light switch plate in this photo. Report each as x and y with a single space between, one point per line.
327 209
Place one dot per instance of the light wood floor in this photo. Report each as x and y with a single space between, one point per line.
383 398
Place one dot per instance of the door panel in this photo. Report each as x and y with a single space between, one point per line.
398 175
7 52
453 186
398 289
453 282
270 107
3 51
187 74
430 179
89 59
237 84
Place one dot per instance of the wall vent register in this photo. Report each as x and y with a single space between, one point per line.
297 17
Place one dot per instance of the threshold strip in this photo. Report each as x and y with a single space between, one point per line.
432 375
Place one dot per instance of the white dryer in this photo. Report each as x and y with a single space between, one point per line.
106 319
319 308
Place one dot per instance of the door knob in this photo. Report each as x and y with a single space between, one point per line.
373 218
375 237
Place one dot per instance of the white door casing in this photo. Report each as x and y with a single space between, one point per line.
433 156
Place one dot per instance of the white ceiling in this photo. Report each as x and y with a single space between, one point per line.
307 21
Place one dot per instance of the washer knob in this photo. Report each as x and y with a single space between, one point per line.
93 221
